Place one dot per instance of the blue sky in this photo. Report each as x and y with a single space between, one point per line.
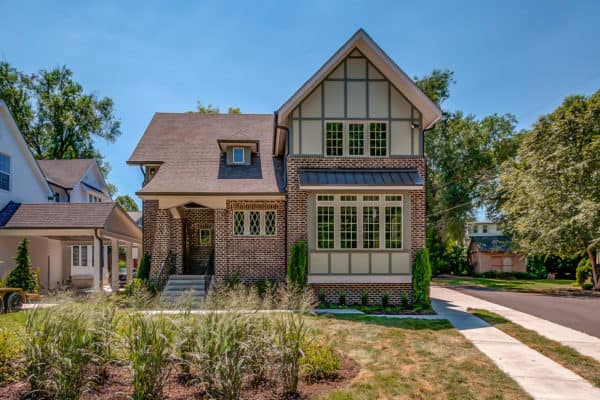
520 57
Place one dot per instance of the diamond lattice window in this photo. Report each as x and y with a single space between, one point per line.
238 223
270 223
254 223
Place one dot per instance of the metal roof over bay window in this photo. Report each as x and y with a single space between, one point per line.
365 179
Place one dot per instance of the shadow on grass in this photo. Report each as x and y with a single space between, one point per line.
488 316
404 323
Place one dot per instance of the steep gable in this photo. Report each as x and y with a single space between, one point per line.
358 61
26 180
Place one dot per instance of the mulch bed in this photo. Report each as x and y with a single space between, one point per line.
119 387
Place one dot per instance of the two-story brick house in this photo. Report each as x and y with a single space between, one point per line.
340 165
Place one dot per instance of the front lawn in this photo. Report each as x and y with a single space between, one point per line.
525 285
413 359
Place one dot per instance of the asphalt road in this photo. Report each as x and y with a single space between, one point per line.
576 312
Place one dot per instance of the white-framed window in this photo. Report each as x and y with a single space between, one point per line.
94 199
356 138
82 256
359 221
484 229
4 172
255 223
237 154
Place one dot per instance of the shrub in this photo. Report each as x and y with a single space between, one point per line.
265 285
11 369
342 298
322 298
143 271
385 299
364 298
319 362
22 276
297 264
584 271
587 286
421 280
404 301
148 344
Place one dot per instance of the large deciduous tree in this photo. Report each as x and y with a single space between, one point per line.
550 194
210 109
127 202
463 159
56 117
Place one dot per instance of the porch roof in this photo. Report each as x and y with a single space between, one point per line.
381 177
68 219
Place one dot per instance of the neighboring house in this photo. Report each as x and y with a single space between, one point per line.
340 165
76 181
69 239
491 250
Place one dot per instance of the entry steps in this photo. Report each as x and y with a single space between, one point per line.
182 289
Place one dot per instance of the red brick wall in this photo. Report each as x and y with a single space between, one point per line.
250 257
353 291
161 233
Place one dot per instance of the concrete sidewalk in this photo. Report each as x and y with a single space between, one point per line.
585 344
538 375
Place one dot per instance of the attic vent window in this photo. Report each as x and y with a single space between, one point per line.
238 155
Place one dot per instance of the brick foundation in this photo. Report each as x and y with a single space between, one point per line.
354 292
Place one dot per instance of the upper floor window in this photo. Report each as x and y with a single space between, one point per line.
238 155
94 199
356 139
4 172
475 228
484 229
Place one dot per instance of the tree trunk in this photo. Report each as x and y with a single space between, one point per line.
592 258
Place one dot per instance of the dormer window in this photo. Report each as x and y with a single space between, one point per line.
238 155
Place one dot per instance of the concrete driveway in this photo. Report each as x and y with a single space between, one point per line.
579 313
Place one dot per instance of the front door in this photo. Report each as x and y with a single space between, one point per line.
507 264
198 247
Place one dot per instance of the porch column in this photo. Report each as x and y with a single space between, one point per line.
96 270
115 265
129 260
104 262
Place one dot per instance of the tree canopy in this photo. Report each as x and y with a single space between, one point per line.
550 194
56 117
210 109
127 202
464 155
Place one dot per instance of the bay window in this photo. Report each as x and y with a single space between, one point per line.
359 221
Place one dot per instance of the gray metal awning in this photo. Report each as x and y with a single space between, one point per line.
381 178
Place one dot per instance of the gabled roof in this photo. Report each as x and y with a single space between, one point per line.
57 215
367 46
24 147
186 145
492 244
65 173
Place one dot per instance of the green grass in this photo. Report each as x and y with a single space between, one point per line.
568 357
14 321
535 285
412 359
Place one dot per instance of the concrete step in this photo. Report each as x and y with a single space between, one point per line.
191 286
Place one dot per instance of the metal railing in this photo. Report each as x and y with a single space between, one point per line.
165 270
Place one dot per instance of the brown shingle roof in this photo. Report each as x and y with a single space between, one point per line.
187 147
60 215
65 173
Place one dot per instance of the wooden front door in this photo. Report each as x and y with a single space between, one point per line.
198 247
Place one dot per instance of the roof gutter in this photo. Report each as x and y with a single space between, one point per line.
285 156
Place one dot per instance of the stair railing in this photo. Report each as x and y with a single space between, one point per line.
165 270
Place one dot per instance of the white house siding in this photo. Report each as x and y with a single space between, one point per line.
25 185
45 255
92 177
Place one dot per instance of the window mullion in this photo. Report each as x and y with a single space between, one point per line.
359 225
336 223
382 225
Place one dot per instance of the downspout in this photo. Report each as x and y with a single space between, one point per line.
100 256
285 186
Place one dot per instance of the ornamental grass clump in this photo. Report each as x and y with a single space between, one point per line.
103 318
11 369
148 348
319 362
58 351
